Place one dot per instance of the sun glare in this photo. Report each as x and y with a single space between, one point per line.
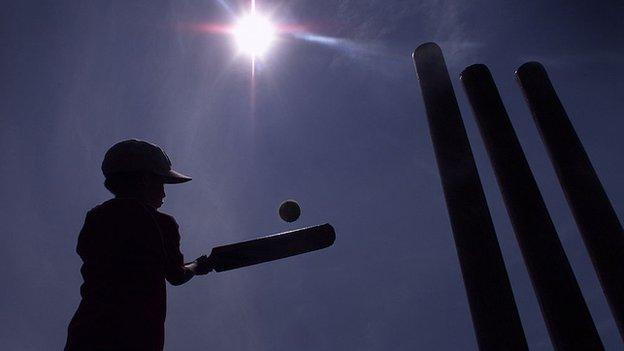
254 35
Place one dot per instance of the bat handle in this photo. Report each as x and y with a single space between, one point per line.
211 262
203 262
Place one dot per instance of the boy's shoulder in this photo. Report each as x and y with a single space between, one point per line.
165 218
127 207
117 205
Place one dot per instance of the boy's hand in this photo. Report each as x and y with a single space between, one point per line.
203 265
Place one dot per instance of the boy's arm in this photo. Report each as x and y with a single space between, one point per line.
176 271
202 265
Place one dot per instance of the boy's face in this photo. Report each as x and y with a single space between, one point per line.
154 191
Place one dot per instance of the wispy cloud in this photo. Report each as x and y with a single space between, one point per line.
373 30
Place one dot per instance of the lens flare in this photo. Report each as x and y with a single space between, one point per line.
254 34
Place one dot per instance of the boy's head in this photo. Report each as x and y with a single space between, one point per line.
136 168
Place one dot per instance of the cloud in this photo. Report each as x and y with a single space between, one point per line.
372 32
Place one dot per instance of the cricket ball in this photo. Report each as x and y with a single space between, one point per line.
289 210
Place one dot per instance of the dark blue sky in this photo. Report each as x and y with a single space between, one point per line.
339 128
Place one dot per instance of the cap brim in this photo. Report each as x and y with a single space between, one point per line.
173 177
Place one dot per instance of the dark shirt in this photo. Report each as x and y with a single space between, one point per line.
128 249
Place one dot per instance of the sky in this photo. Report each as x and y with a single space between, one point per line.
341 128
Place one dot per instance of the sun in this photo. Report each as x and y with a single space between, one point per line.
254 34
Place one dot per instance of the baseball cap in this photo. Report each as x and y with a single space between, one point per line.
134 155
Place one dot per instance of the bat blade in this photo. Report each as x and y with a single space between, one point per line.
273 247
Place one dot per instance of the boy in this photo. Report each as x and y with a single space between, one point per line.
129 249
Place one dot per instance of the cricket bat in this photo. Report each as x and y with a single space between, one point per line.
271 248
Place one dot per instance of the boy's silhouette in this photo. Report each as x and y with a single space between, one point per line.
129 249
